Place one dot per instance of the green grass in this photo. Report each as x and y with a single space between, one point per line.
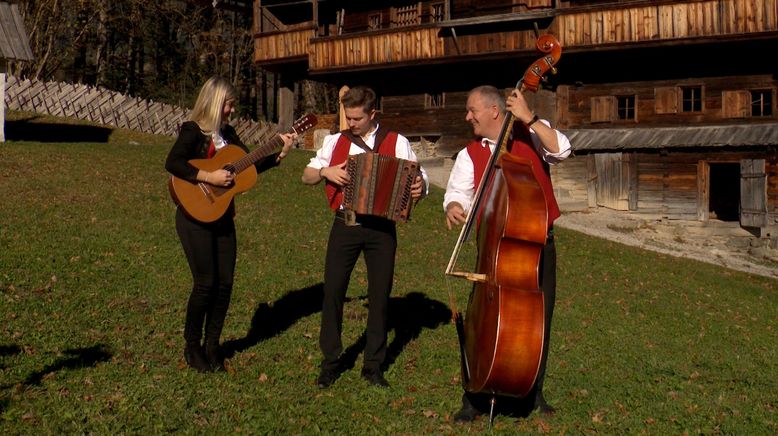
94 284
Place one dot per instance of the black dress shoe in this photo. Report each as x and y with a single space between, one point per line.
195 358
467 413
542 407
375 377
326 378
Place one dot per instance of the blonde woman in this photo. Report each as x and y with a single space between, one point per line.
210 248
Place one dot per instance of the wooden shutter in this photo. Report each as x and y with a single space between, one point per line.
735 104
753 193
666 100
603 109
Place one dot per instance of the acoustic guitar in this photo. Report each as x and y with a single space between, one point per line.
207 203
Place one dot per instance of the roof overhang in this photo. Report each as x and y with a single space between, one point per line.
731 135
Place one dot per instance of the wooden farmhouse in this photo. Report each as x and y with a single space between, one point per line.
14 46
670 105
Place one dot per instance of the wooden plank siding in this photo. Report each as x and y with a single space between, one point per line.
772 191
283 45
580 101
666 21
577 28
369 49
672 185
570 187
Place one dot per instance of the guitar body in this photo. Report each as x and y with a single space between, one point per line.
205 202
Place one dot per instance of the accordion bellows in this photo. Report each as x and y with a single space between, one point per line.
380 185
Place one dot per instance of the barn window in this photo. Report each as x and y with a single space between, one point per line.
761 103
625 107
435 101
437 12
691 99
374 21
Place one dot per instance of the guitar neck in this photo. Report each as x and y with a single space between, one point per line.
258 153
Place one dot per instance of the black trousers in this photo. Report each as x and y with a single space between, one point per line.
525 405
377 239
210 250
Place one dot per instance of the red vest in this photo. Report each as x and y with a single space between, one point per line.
521 146
340 154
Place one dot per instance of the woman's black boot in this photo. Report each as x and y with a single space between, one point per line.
195 358
213 355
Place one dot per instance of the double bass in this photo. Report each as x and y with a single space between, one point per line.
502 335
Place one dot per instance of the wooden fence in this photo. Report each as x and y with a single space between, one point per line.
114 109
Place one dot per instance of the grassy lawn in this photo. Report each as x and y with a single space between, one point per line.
94 283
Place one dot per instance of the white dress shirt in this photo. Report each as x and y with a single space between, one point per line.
461 183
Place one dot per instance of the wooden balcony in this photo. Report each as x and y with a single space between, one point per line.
578 29
665 22
402 45
283 46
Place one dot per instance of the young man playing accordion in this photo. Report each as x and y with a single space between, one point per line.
374 236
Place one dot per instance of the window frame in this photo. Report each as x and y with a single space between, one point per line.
696 102
633 98
769 106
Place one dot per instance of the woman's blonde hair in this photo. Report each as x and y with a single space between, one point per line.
207 112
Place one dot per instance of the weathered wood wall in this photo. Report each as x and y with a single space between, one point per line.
379 47
407 115
576 28
772 191
283 45
618 23
666 184
577 111
570 184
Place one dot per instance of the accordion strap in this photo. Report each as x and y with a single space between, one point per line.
380 136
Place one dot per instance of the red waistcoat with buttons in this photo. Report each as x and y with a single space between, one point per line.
520 146
334 192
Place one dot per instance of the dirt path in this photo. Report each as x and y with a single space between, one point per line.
720 243
716 242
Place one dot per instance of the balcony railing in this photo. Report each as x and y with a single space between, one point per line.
376 48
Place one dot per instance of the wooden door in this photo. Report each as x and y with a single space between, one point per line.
614 178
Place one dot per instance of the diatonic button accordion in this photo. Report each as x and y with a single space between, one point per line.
380 185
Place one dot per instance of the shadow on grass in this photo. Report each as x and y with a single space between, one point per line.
408 316
73 359
8 350
26 130
271 319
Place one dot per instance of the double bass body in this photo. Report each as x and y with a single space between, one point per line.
504 324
